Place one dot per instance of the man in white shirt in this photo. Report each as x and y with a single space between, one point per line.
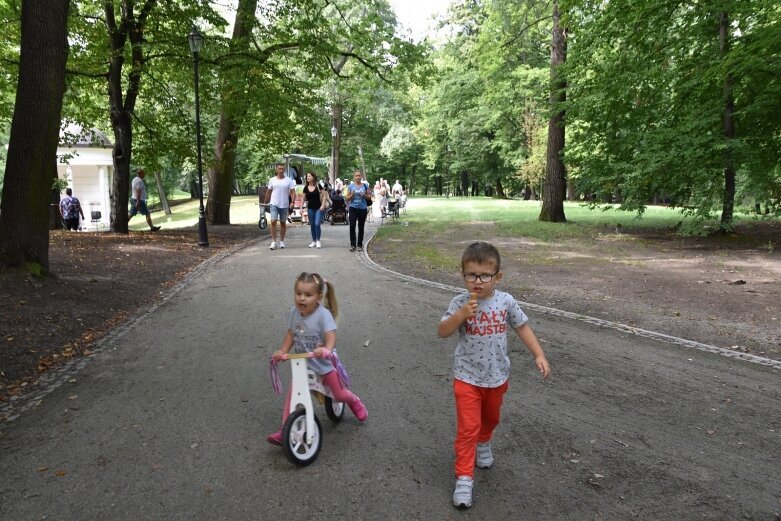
281 188
397 190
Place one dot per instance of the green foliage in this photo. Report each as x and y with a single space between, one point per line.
644 110
647 99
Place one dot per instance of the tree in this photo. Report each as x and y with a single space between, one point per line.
676 101
555 173
271 75
137 53
31 164
231 115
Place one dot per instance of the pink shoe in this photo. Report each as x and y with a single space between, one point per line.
359 410
275 438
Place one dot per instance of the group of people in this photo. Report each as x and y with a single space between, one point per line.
481 316
281 191
70 206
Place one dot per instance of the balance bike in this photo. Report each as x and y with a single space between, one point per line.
301 432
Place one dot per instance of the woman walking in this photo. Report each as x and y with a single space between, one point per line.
316 202
357 194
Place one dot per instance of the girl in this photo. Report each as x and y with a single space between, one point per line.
315 204
311 328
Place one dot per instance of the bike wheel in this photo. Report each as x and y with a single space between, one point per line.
262 223
294 442
334 409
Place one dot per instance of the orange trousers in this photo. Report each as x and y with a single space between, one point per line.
477 415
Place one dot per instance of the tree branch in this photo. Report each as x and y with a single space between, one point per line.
528 26
365 63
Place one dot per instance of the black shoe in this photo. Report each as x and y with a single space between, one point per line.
352 248
360 248
154 228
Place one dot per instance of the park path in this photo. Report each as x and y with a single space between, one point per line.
168 419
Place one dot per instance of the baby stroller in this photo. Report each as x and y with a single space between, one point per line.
392 211
338 211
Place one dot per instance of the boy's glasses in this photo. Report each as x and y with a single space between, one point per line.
474 277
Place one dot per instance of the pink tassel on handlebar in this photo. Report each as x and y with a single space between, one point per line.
340 370
276 381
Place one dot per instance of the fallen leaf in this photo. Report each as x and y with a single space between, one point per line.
157 466
60 473
42 469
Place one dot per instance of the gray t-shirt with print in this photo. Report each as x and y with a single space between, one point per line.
309 333
481 354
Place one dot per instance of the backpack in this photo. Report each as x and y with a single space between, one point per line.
368 197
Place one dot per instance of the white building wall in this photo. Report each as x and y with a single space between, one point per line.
89 172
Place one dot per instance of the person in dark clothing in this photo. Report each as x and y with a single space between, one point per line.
70 209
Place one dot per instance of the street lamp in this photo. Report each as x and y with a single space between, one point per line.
333 154
196 40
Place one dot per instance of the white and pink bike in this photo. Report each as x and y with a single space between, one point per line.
301 432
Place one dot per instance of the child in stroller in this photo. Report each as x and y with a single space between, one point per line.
338 211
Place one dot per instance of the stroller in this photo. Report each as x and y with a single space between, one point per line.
392 210
338 211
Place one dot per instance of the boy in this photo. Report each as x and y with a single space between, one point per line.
482 367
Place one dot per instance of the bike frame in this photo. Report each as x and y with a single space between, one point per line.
301 384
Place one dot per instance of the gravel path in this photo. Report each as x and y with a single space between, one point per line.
168 419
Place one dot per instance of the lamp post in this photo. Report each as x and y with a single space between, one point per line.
196 40
333 154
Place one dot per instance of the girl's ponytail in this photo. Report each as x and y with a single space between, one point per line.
330 299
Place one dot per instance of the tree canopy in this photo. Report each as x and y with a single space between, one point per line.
668 101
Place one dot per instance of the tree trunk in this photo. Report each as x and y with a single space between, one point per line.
571 194
120 185
500 189
131 27
55 217
161 192
35 130
728 131
221 173
555 173
336 122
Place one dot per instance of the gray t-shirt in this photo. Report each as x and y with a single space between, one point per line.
481 354
138 185
309 333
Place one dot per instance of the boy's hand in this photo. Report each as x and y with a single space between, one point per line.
542 365
277 356
470 308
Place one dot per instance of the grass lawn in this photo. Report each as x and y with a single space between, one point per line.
244 210
520 218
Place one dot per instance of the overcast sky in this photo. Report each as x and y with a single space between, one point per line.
416 14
